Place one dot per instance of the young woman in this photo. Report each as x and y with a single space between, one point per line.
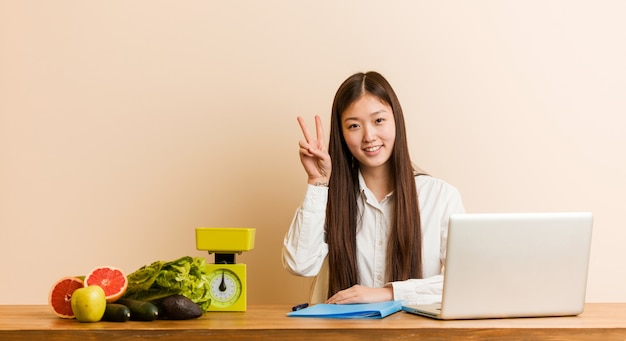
370 227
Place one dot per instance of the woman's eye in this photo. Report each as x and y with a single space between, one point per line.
380 120
353 126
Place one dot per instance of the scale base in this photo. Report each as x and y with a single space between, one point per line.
233 295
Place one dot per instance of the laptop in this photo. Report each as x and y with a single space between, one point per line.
503 265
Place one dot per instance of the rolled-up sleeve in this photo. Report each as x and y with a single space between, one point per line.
419 291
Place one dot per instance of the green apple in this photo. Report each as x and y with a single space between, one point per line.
89 303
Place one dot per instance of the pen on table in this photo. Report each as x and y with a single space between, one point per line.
299 306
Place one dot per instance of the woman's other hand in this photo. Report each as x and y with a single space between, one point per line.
361 294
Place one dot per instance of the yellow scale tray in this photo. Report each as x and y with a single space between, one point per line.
225 239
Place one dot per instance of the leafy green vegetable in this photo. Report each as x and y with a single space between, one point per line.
186 276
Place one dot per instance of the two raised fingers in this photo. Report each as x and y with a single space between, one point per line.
318 128
312 144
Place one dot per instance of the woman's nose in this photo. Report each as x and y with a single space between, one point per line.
368 134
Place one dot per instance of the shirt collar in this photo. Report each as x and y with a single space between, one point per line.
367 193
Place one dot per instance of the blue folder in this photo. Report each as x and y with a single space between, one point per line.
350 311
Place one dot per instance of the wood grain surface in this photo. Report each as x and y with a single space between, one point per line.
600 321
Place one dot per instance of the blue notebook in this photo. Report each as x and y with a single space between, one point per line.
350 311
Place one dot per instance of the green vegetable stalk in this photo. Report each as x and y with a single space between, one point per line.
185 276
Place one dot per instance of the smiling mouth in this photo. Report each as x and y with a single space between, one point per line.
372 149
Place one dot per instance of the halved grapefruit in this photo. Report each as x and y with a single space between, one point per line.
112 280
60 296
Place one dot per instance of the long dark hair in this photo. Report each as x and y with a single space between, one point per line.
404 258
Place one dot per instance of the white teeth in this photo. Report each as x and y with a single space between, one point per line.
372 149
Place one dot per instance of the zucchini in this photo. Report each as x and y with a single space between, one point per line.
140 310
115 312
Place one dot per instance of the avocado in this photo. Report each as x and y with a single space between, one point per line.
179 307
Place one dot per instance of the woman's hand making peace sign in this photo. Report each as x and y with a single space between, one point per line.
314 155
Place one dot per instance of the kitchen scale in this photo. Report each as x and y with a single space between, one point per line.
227 279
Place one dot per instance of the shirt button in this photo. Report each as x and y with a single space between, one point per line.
379 277
380 243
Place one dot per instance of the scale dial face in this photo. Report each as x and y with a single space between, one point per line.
226 288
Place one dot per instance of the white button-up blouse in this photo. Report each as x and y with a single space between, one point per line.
305 249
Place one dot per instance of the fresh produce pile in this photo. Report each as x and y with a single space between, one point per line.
173 290
186 276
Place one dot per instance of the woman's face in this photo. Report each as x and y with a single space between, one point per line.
369 129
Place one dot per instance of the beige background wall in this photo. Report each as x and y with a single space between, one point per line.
126 124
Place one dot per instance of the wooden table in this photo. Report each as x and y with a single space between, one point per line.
600 321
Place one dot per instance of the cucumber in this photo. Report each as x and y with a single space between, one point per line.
115 312
140 310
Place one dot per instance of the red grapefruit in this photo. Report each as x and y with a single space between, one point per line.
112 280
60 297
